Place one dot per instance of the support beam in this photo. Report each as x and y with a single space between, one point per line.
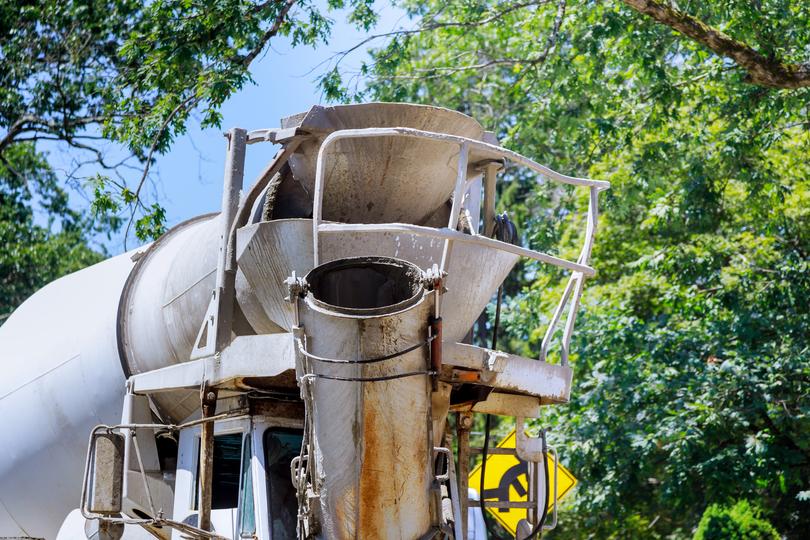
209 406
490 181
464 422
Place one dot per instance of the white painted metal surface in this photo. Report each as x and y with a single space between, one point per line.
74 528
479 150
270 251
185 499
512 373
247 356
62 376
165 301
470 151
373 448
67 351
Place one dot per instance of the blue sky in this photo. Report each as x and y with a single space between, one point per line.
188 179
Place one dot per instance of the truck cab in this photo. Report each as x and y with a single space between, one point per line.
252 492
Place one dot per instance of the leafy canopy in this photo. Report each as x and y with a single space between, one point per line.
37 247
83 73
87 71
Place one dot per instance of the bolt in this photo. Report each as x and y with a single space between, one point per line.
210 396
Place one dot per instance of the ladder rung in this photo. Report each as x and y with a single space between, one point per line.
503 504
493 451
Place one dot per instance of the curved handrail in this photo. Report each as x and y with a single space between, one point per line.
466 144
491 149
445 233
580 270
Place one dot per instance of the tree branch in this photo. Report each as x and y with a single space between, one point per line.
271 32
430 27
12 170
29 123
763 71
189 102
551 42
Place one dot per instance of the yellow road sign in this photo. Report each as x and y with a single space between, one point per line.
507 480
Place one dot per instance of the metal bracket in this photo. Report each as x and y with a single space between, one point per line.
527 448
531 449
157 519
296 287
215 332
433 279
275 135
445 476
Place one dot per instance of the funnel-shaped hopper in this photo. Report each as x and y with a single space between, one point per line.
379 180
270 251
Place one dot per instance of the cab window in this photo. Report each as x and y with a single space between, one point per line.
280 447
247 515
225 481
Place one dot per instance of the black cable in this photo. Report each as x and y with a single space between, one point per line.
370 379
487 424
484 450
505 231
368 360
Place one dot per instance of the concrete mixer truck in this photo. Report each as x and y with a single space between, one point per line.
287 368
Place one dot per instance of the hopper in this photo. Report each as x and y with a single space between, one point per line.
268 253
380 179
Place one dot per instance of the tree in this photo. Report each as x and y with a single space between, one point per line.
36 249
766 63
87 71
691 358
765 40
84 73
739 522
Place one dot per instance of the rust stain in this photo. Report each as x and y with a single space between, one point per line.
385 458
466 376
372 476
341 524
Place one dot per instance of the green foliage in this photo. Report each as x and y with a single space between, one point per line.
691 353
89 72
133 72
37 247
739 522
139 69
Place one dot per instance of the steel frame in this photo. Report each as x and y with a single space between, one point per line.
489 157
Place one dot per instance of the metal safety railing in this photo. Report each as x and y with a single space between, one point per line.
579 269
156 518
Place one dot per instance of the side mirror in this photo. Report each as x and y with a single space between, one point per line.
106 473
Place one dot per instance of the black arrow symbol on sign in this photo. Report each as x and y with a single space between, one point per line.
509 479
